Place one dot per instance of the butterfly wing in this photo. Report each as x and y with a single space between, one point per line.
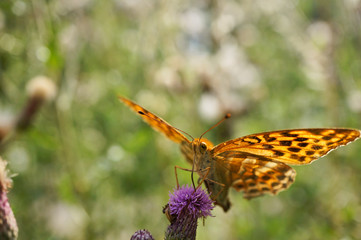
296 146
259 177
255 175
156 122
258 162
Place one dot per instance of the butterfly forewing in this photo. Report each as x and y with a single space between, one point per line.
296 146
156 122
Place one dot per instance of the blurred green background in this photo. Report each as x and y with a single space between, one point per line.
89 168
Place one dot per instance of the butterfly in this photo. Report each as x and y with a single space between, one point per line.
255 164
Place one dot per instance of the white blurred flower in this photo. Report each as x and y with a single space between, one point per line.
320 33
19 7
10 43
230 15
42 53
193 21
210 107
234 65
167 77
223 25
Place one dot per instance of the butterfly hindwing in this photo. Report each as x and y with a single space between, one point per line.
257 177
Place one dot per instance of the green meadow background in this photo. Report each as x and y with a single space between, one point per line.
89 168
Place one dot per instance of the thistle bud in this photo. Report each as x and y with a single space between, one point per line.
40 89
142 235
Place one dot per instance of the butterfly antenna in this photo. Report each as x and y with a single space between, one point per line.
160 120
228 115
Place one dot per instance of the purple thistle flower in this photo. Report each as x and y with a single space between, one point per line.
185 206
142 235
194 202
8 226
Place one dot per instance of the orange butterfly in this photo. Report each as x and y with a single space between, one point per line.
255 164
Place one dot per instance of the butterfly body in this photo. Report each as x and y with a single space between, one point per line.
255 164
217 177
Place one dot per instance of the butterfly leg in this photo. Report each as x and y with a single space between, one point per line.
207 170
220 191
176 175
204 176
210 180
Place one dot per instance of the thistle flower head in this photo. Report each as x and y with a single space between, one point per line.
187 200
185 206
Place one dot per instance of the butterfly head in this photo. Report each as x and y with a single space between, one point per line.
200 147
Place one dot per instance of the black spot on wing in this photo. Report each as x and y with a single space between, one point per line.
287 134
271 139
278 153
267 146
290 179
265 177
317 147
310 152
300 139
285 143
294 149
281 177
302 144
